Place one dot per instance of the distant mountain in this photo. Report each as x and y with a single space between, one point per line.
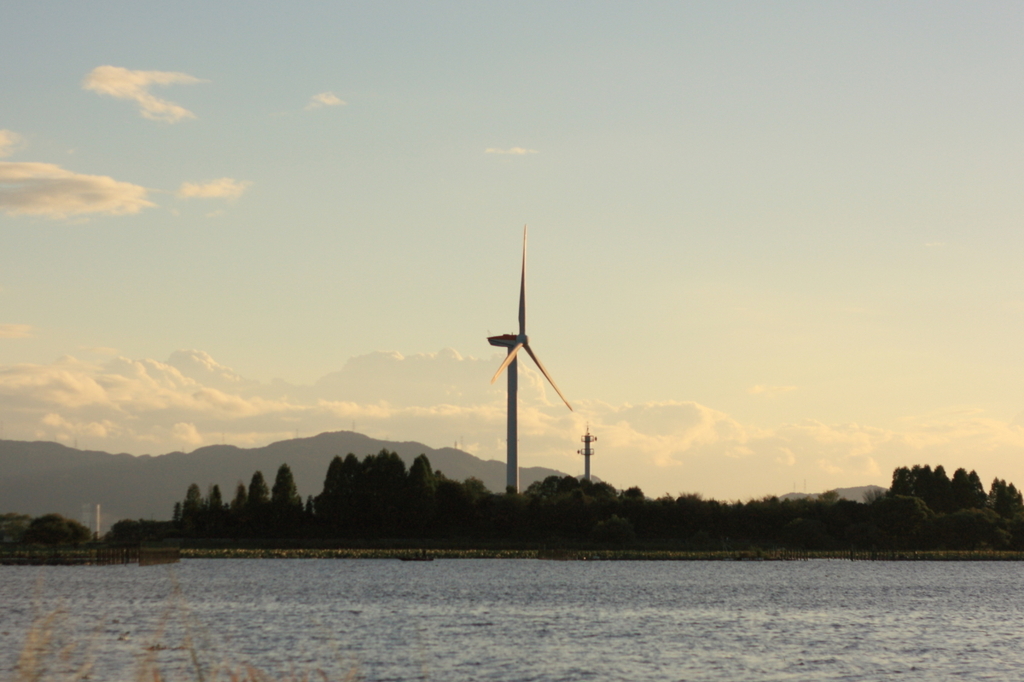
42 477
855 494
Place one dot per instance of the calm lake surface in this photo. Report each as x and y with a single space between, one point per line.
526 619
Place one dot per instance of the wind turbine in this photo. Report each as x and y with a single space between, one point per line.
514 343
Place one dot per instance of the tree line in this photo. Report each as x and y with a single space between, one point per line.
379 498
48 529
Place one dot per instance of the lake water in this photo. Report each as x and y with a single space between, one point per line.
524 619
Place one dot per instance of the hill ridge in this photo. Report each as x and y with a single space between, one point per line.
38 477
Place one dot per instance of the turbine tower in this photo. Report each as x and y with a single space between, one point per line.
514 343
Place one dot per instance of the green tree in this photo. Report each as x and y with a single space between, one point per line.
215 512
285 503
902 483
971 529
456 510
54 529
830 497
902 519
259 494
614 530
335 505
421 492
634 494
933 487
238 502
13 526
807 534
214 500
330 501
380 494
131 531
285 494
545 489
966 491
192 510
1004 498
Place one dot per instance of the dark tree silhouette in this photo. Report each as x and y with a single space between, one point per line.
966 491
285 503
54 529
377 498
1004 498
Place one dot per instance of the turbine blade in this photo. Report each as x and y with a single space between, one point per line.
508 360
522 291
548 377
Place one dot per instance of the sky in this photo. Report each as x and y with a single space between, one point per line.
772 246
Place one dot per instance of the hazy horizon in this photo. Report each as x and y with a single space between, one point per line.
768 244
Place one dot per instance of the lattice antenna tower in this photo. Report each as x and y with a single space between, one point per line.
587 451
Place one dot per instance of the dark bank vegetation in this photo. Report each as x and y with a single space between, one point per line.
377 502
48 529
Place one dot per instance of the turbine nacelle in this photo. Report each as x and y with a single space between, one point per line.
517 342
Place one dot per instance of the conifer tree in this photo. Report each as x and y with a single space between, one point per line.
238 504
192 509
214 512
422 487
284 494
214 500
966 491
258 492
285 504
1004 498
328 502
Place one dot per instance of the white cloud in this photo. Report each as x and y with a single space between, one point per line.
769 391
100 350
513 150
187 433
324 99
199 366
147 406
48 190
134 85
224 188
15 331
8 141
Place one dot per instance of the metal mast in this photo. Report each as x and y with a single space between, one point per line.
587 451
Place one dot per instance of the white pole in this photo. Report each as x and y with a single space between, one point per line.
512 465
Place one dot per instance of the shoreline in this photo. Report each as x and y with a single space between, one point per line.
605 554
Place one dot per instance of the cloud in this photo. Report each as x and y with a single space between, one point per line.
48 190
199 366
147 406
100 350
224 188
769 391
324 99
513 150
134 85
8 141
15 331
187 433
